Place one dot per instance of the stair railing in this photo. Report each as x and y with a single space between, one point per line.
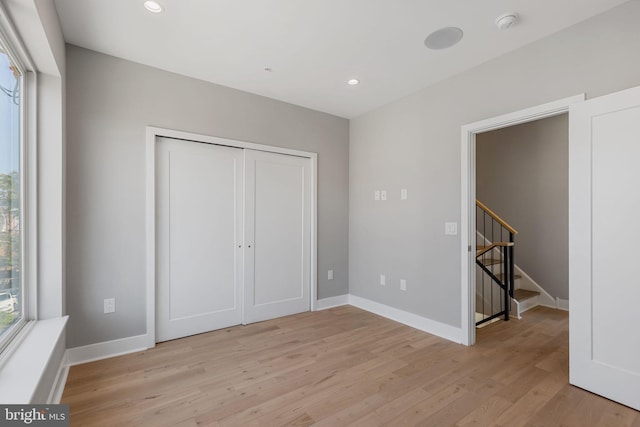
495 258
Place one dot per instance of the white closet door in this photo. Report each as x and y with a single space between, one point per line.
199 234
277 235
604 201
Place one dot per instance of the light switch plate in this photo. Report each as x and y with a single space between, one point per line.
330 275
403 285
383 195
383 280
451 228
376 195
404 194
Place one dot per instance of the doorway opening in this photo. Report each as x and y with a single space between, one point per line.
522 193
471 133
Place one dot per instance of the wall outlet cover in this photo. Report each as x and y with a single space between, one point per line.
109 305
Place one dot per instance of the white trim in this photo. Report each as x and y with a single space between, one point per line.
151 237
314 231
152 133
562 304
331 302
105 350
424 324
189 136
468 194
25 367
55 396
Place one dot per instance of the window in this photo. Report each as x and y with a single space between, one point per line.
12 295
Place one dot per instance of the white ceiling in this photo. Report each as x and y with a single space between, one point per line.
314 46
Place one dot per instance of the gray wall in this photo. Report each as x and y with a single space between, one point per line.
109 103
414 143
522 174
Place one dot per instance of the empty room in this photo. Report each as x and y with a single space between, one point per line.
279 212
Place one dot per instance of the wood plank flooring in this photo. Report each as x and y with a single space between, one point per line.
344 366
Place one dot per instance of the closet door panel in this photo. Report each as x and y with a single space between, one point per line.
199 217
277 263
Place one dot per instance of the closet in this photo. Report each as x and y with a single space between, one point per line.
233 236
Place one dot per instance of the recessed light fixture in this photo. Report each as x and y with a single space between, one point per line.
353 82
443 38
153 6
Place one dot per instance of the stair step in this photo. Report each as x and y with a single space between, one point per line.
490 261
515 276
524 294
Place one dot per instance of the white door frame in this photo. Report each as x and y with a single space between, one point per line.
468 200
152 133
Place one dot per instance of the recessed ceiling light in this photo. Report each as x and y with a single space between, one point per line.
443 38
353 82
153 6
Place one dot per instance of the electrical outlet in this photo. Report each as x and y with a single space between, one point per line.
383 280
109 305
376 195
330 275
403 285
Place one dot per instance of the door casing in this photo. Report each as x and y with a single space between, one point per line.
468 197
152 134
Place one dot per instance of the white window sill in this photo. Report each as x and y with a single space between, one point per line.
23 369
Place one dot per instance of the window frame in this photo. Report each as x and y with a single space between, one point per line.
14 49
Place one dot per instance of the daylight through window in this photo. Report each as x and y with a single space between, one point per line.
11 289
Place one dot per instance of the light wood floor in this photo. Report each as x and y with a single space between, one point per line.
345 366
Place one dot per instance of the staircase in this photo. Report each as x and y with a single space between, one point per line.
498 294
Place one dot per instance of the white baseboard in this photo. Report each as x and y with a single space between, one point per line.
433 327
562 304
104 350
61 380
331 302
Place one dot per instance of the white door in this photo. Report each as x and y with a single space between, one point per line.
199 237
277 235
604 231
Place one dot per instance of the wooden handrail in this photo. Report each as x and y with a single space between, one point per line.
495 216
493 245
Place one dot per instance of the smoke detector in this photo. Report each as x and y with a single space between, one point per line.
507 20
